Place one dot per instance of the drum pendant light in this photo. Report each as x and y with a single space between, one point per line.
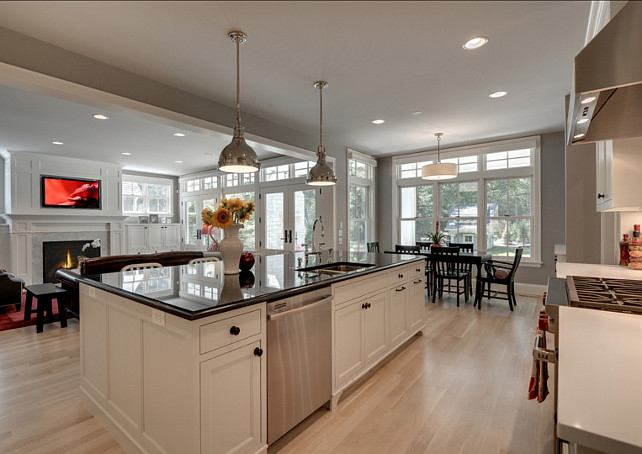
439 170
238 156
321 174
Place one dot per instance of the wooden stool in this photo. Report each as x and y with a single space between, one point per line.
45 293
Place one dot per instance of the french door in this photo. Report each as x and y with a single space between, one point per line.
192 206
288 214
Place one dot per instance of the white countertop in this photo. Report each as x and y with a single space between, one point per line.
590 269
600 380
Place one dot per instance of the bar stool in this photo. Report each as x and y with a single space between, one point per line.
45 294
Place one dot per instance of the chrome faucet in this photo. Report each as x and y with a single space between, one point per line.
314 228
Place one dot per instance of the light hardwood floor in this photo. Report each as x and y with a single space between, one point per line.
460 388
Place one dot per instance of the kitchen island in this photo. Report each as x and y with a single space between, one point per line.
173 359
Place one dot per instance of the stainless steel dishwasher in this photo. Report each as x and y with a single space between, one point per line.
299 362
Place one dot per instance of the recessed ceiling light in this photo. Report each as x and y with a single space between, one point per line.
498 94
126 153
475 43
589 99
178 162
101 117
578 136
55 142
417 112
208 154
583 120
179 134
378 121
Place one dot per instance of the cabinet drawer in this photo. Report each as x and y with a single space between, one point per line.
397 276
416 270
230 330
356 288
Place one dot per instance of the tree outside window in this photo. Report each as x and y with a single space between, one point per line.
509 216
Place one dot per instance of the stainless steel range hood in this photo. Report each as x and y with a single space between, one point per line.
608 82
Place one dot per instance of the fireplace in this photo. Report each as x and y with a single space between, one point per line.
65 254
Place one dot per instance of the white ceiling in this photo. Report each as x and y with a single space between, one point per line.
381 59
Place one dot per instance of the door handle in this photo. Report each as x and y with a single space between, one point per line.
290 236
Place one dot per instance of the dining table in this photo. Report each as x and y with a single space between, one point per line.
474 258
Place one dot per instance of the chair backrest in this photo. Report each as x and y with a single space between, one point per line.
464 247
403 249
203 260
373 246
424 245
518 258
443 259
141 266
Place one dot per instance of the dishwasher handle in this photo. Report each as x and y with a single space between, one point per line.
298 310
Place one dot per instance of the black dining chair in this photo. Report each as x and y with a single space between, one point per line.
403 249
446 267
424 246
501 273
373 246
467 248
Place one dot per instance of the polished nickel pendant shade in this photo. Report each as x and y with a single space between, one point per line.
321 174
439 170
238 156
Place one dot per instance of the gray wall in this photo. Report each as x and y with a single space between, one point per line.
552 205
26 52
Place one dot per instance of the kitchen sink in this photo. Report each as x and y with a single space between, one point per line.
336 268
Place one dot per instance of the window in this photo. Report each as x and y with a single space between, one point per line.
509 220
239 179
301 169
458 211
360 201
248 233
144 195
416 213
493 203
276 173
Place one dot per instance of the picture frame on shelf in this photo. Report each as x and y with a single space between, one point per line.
153 218
143 219
163 220
168 220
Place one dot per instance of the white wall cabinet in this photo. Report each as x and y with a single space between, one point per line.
618 165
373 316
150 238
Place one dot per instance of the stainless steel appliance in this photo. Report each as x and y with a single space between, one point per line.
607 102
607 294
299 338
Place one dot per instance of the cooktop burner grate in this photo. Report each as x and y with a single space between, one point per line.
622 295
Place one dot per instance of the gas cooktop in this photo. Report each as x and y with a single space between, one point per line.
621 295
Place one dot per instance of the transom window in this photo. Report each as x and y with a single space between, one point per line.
142 195
276 173
464 163
239 179
413 169
509 159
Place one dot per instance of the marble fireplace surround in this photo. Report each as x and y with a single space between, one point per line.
28 232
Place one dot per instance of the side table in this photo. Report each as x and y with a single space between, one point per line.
45 293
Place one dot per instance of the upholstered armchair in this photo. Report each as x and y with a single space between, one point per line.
10 290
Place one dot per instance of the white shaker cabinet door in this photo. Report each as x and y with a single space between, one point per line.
348 342
231 401
172 240
375 339
416 302
136 238
397 316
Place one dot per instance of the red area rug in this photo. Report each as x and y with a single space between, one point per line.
10 318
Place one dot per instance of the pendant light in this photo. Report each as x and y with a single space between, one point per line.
238 156
439 170
321 174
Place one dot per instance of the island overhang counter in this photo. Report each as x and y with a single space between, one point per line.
173 360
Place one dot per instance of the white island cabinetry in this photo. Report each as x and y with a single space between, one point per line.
373 316
171 385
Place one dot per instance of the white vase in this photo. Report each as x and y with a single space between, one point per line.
231 248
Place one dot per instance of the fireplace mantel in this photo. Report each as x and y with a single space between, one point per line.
28 232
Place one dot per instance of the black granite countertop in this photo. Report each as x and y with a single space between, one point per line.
201 290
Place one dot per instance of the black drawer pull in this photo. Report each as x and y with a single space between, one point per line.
400 276
418 270
235 331
417 281
258 352
400 289
600 196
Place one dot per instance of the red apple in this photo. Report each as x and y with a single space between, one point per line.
247 261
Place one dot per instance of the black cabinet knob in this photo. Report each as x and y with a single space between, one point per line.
258 352
368 305
364 306
235 331
401 276
418 270
600 196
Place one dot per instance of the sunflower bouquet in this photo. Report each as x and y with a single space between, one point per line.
229 211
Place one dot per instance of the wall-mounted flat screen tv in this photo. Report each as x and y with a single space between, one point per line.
57 192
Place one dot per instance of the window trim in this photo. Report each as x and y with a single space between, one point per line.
533 142
370 185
